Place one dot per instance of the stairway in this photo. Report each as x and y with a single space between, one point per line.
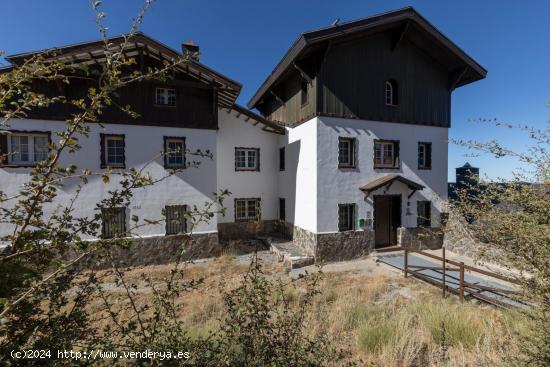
291 255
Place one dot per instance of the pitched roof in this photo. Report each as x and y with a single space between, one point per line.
267 125
388 179
92 51
379 21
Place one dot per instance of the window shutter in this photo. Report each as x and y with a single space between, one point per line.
165 150
102 150
396 157
3 149
429 155
258 158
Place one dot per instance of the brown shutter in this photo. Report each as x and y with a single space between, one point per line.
3 149
164 138
102 150
429 155
396 162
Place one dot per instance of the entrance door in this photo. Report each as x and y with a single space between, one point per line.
387 218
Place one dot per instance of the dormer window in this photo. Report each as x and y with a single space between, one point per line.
391 93
165 97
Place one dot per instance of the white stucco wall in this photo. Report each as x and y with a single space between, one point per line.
338 186
298 183
236 132
143 143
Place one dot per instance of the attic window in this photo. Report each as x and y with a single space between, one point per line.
165 97
391 93
304 92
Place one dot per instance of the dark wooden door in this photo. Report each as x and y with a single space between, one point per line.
387 218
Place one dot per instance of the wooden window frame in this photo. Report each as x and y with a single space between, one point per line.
248 169
352 152
304 93
111 233
247 218
396 154
426 220
5 147
391 93
166 89
351 208
167 164
427 164
103 150
168 226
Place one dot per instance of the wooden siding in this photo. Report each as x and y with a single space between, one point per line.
292 111
352 82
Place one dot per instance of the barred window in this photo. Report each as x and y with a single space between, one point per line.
174 150
346 217
114 222
423 213
247 209
175 219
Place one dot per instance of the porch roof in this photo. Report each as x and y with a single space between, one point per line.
387 180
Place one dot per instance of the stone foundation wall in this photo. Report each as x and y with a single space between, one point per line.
304 239
344 245
420 238
160 250
247 230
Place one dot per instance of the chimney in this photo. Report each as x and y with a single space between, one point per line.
190 49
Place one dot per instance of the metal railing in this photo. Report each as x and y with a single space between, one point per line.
463 286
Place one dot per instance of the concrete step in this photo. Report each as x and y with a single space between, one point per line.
290 254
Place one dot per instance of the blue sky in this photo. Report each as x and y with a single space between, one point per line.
245 39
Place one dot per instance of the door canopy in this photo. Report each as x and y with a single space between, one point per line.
387 181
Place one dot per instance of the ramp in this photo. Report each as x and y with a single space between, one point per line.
497 292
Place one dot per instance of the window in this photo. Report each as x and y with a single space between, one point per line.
114 222
424 155
165 97
346 217
112 151
282 209
304 92
175 219
386 154
247 209
27 148
391 93
174 152
247 159
281 159
346 153
423 213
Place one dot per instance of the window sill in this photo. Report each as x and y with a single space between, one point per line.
164 105
246 220
246 170
425 168
347 167
18 165
387 167
175 167
108 166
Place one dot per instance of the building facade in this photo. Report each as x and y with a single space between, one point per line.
348 153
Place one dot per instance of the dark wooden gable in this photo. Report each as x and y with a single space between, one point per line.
199 90
347 67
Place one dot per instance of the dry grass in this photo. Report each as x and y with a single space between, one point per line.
376 320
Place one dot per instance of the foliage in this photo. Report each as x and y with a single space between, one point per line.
49 271
513 219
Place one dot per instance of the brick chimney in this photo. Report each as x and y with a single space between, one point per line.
191 49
